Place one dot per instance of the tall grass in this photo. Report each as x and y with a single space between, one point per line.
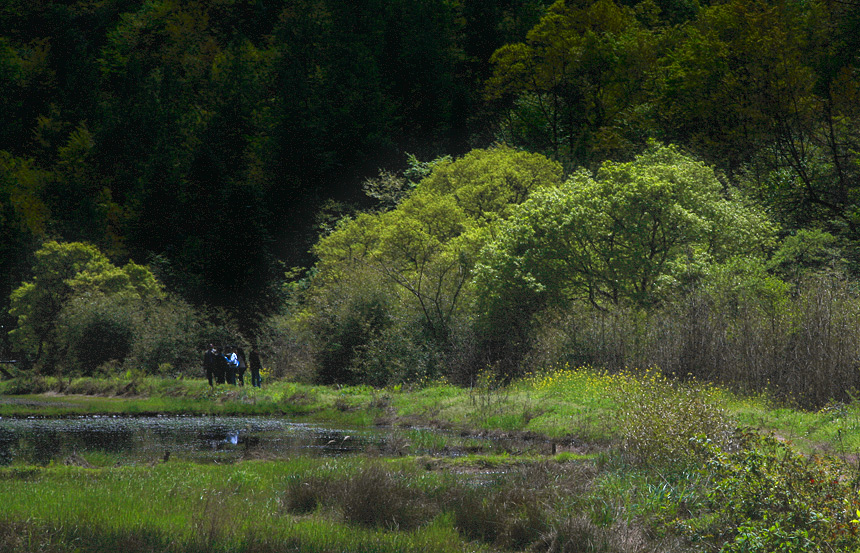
184 507
803 348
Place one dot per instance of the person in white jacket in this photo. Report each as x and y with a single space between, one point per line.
232 364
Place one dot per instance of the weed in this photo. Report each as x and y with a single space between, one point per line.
657 417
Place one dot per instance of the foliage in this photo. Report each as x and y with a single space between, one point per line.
413 263
203 137
633 232
60 272
194 131
767 498
804 252
579 81
95 330
760 87
657 417
170 332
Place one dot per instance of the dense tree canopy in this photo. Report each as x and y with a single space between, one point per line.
620 235
220 142
202 136
578 81
428 244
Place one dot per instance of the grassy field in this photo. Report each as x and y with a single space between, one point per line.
622 463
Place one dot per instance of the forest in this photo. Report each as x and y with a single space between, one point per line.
390 191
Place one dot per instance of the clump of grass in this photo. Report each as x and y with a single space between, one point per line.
514 509
578 533
212 520
304 493
377 497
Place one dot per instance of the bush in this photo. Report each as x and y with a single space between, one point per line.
118 333
747 333
767 498
658 418
395 355
94 329
170 331
25 383
341 320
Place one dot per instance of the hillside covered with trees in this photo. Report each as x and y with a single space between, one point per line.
385 191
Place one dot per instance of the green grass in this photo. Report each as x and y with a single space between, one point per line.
641 459
557 405
186 507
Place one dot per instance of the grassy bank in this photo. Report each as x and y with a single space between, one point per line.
627 463
582 405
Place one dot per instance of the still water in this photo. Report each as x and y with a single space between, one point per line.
128 440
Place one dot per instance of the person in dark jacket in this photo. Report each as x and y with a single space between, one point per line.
255 366
240 369
210 364
222 367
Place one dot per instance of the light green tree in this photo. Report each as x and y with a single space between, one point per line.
62 271
627 233
426 246
416 258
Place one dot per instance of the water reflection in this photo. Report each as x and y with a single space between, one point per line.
125 440
117 440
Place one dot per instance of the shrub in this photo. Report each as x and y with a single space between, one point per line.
95 329
738 329
342 320
170 331
25 383
767 498
118 333
396 354
658 417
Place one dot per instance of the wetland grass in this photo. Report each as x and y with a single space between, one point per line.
639 463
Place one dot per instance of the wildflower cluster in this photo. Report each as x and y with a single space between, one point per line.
658 416
565 380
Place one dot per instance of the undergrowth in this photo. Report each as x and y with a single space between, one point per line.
645 463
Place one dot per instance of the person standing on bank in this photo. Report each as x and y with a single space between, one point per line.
255 366
210 364
221 366
240 369
232 364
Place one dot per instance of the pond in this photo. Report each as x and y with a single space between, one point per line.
118 440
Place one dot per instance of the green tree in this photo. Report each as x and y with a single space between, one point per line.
426 246
768 90
578 82
626 234
419 255
60 272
